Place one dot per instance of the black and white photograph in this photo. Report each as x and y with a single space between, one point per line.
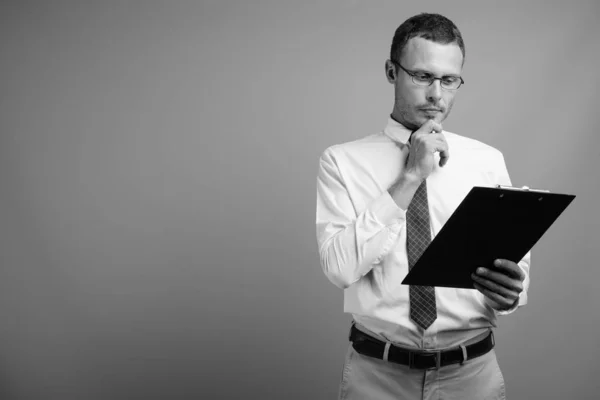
299 200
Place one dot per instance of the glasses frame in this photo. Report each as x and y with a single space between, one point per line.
413 73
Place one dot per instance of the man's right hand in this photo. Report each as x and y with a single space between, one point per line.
424 143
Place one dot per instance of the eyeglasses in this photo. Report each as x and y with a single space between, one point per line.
426 79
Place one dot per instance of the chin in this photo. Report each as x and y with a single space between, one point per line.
437 118
418 120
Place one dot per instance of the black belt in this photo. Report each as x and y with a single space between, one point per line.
418 359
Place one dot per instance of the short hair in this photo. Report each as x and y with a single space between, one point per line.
434 27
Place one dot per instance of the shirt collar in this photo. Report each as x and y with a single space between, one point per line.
396 131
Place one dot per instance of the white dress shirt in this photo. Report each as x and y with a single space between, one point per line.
361 234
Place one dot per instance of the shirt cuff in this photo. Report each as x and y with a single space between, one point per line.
508 310
521 301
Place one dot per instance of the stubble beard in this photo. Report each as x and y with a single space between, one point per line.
410 118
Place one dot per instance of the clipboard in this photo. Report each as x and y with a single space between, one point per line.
490 223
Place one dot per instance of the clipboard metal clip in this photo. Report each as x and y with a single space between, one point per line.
523 189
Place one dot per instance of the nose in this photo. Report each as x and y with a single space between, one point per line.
434 92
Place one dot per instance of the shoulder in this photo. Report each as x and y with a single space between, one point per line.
363 148
475 149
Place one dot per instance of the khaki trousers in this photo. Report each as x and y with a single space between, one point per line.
367 378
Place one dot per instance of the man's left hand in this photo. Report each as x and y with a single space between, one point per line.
501 284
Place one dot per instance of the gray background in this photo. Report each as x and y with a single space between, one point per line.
157 170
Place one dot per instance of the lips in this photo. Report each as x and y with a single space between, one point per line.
431 109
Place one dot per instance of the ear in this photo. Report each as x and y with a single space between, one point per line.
390 71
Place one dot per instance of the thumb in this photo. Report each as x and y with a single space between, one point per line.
436 126
444 157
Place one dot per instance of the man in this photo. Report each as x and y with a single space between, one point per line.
375 196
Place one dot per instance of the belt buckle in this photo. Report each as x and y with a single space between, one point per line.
437 355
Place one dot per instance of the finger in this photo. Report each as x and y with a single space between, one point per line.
444 157
430 126
500 278
443 150
510 267
420 134
436 142
431 140
501 301
436 127
424 138
496 287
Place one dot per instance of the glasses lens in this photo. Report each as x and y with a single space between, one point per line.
421 80
451 84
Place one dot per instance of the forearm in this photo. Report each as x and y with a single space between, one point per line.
349 252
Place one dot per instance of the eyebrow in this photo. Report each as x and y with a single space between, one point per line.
432 74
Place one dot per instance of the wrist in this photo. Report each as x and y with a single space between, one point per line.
502 308
403 190
410 178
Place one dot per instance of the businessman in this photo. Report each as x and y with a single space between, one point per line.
380 201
